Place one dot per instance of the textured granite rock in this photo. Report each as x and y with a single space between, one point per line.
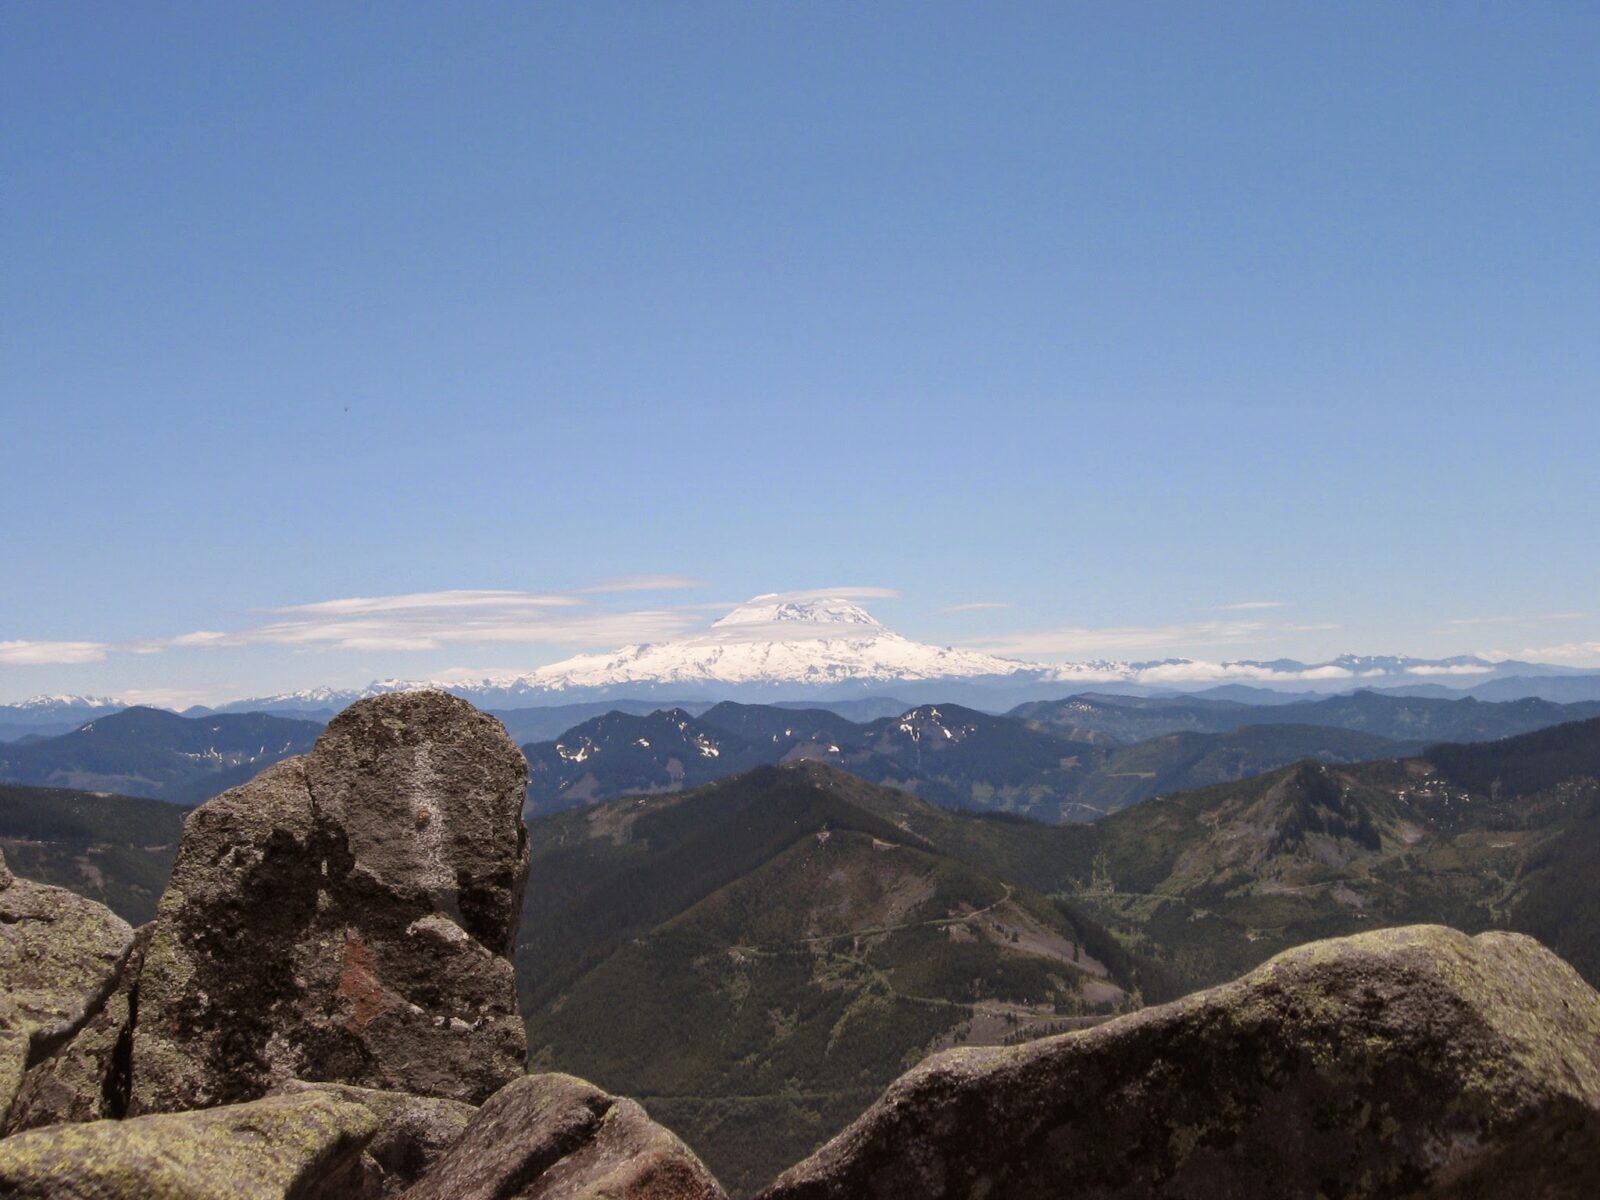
307 1147
413 1133
87 1077
344 917
548 1136
60 957
1407 1062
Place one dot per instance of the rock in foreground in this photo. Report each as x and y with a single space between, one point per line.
344 917
548 1136
305 1146
1415 1061
60 956
412 1133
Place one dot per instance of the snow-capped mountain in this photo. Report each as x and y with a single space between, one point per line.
63 703
45 716
318 700
772 641
779 647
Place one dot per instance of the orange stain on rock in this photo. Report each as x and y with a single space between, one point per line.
358 984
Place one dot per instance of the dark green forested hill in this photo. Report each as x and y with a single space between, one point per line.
1208 883
114 849
757 959
157 754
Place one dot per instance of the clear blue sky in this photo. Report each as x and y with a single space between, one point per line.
1111 314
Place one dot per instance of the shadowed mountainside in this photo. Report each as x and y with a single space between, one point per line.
157 754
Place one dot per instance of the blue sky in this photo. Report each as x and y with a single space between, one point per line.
1107 316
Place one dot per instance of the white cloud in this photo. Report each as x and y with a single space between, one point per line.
423 621
424 628
834 593
1122 641
1232 672
1249 605
432 601
433 620
35 654
642 583
975 606
200 637
1570 654
1539 617
173 698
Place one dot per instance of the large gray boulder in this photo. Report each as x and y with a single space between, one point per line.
1408 1062
60 957
549 1136
345 917
304 1147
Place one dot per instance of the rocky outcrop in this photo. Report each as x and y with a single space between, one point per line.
60 955
548 1136
87 1077
345 917
1416 1061
412 1133
307 1147
320 1001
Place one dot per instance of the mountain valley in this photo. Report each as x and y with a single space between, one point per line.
766 950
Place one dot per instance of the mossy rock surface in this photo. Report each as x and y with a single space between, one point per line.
304 1147
60 957
1412 1061
86 1078
413 1133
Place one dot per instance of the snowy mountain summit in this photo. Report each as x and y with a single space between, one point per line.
772 641
774 609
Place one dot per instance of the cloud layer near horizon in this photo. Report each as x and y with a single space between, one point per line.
435 620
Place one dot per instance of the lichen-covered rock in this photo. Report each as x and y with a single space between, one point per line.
413 1133
87 1077
307 1147
1414 1062
344 917
548 1136
13 1054
60 956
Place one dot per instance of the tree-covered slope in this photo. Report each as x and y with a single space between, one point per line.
114 849
758 958
157 754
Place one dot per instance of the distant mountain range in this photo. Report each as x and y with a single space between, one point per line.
46 716
1075 759
1092 717
777 649
761 955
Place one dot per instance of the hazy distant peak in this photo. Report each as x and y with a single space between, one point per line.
68 701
